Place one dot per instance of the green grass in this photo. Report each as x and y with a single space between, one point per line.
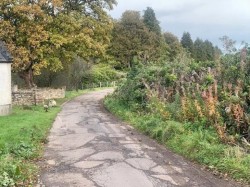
22 136
197 144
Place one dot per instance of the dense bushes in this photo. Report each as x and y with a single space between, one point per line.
102 73
211 94
199 109
80 74
191 140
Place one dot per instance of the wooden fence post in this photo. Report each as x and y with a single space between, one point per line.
35 98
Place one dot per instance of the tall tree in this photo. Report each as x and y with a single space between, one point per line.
157 39
174 46
187 42
199 53
209 49
150 21
131 38
228 44
217 53
204 50
42 34
23 29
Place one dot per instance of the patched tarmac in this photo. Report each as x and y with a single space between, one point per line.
88 147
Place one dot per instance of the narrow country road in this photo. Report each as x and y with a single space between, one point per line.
88 147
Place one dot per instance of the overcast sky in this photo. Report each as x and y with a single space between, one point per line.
207 19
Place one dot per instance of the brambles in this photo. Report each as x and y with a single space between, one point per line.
206 93
200 110
191 139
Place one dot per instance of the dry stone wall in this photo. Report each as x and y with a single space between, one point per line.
36 96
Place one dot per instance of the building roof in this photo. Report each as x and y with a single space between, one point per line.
5 56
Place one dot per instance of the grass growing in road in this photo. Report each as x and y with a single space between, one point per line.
198 144
22 136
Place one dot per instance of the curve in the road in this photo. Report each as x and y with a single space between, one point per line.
89 147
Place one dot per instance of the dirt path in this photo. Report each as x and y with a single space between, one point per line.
89 147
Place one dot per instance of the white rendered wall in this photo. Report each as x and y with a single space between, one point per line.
5 88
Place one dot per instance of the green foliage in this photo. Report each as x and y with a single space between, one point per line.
209 48
21 135
205 51
209 101
228 44
174 46
132 41
49 34
80 74
134 90
127 38
101 73
16 171
95 7
198 144
137 96
204 90
171 130
23 150
77 71
187 42
232 62
174 108
5 180
199 52
150 21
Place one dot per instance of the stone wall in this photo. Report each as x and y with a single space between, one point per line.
23 97
5 110
36 96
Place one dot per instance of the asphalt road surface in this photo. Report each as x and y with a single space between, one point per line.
89 147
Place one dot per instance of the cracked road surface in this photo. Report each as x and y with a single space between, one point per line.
88 147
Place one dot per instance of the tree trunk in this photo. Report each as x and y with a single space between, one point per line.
27 76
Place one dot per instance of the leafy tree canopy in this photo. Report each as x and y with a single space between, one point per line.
174 45
187 42
42 34
132 40
150 21
228 44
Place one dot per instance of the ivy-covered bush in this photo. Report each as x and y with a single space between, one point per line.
101 73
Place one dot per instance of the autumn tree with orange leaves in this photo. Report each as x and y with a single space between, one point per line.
51 33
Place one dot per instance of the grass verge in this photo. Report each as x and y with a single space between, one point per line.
22 136
195 143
